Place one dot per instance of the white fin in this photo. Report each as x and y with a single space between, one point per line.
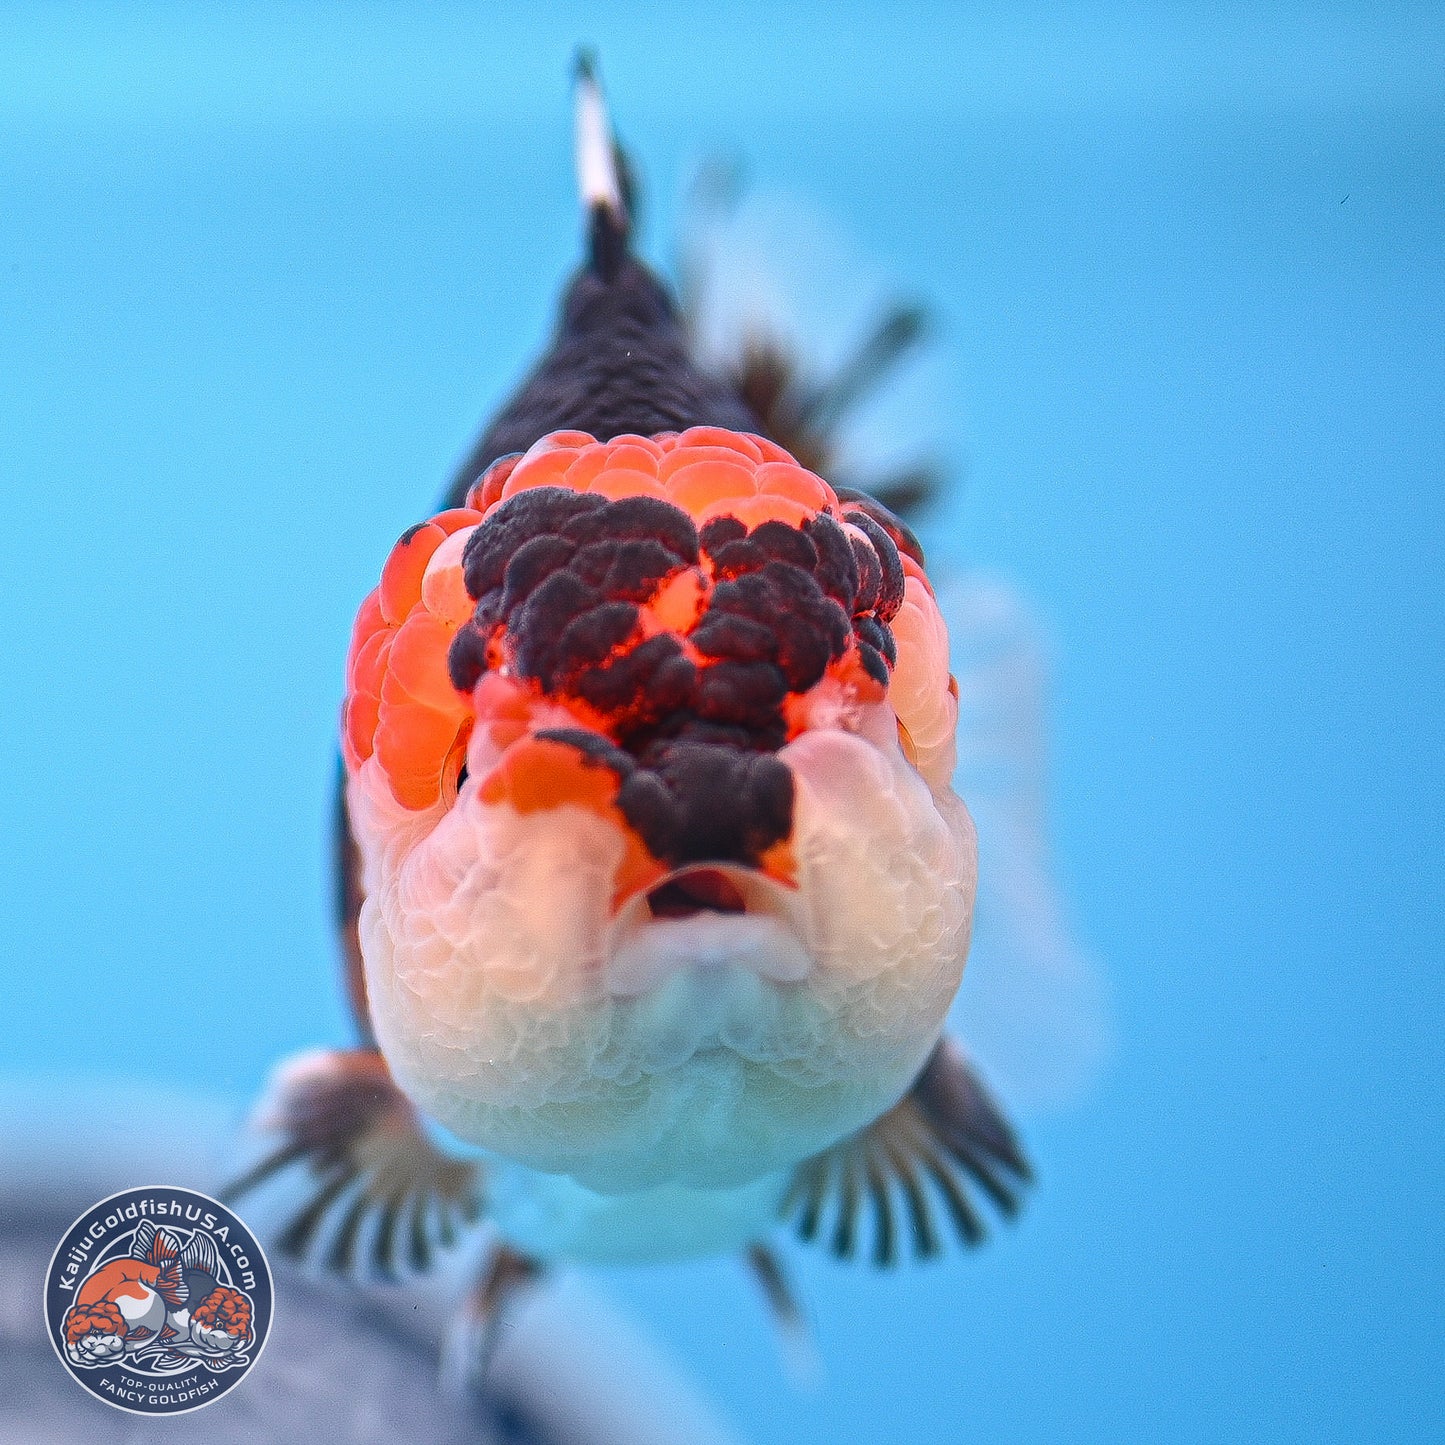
1033 1005
145 1234
596 151
200 1254
764 266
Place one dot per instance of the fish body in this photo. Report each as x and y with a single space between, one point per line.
129 1287
649 699
655 889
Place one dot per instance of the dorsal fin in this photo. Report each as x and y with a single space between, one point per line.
619 361
164 1247
600 173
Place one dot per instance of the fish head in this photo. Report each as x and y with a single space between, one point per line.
649 752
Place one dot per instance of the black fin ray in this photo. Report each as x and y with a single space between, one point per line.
370 1164
945 1133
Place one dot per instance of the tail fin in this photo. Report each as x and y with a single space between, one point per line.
170 1285
145 1235
200 1254
154 1246
164 1247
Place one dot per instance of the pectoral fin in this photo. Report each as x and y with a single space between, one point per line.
944 1135
384 1198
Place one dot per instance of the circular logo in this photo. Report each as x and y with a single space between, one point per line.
158 1300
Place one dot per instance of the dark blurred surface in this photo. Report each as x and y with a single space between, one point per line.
332 1369
342 1366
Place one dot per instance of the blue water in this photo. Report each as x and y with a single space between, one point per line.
263 271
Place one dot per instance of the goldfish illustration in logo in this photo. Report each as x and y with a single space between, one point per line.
160 1304
654 890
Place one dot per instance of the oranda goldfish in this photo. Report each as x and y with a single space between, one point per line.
654 887
161 1299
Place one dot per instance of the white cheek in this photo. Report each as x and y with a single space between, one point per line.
486 935
514 901
889 869
387 831
482 946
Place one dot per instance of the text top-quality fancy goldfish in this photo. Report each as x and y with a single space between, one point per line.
654 887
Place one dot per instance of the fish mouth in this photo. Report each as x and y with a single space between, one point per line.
712 918
712 888
696 890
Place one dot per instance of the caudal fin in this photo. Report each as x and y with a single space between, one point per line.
154 1246
161 1247
170 1285
200 1254
145 1237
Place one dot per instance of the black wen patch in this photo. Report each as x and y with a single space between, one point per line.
560 577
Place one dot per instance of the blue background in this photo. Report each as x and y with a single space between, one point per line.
263 271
